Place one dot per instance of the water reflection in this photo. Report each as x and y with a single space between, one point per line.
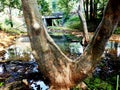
18 70
39 85
1 69
118 50
113 48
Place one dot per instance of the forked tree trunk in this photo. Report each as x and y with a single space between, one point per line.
61 72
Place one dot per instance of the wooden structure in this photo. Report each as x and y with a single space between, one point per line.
48 19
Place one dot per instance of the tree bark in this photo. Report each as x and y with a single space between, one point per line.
83 21
61 72
86 12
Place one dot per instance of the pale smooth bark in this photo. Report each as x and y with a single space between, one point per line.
61 72
81 14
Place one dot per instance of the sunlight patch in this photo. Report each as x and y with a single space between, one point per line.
36 25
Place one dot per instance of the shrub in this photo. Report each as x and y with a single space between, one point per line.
7 22
95 83
73 22
117 31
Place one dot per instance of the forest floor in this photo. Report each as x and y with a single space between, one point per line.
6 40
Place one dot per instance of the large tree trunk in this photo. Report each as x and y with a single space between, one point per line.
83 21
60 71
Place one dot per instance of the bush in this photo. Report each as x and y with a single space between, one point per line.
12 31
73 22
1 84
9 30
95 83
117 31
7 22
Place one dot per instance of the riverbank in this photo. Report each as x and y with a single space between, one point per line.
7 39
17 69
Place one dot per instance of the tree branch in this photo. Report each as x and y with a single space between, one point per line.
91 56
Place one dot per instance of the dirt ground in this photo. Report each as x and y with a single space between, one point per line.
6 40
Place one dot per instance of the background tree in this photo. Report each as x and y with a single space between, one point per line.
60 71
1 5
44 7
94 9
81 15
10 4
65 6
94 12
86 2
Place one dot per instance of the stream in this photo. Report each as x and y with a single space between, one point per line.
18 69
28 69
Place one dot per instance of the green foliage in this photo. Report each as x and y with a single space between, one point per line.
7 22
117 31
54 5
76 88
66 6
73 37
14 3
95 83
44 7
102 2
12 31
1 84
1 6
10 3
100 6
73 22
9 30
